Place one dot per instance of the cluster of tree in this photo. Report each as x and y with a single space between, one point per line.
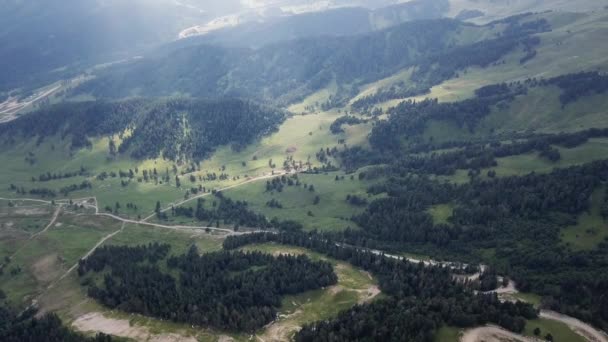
356 200
420 299
177 129
399 91
19 327
42 192
46 192
273 203
231 212
488 280
575 86
278 183
66 190
46 177
325 153
336 126
227 290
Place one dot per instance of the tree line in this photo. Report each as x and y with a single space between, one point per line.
419 301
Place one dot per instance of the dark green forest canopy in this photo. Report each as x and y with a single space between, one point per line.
287 72
227 290
518 219
177 128
420 299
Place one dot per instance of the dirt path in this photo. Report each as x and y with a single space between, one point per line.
53 220
491 333
252 180
84 202
178 227
104 239
588 332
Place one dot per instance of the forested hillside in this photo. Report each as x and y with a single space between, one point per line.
179 129
287 72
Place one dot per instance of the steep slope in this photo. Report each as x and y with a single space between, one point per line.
177 129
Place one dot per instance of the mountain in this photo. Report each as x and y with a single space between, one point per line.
339 21
287 72
41 41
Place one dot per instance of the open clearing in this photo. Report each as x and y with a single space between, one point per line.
354 286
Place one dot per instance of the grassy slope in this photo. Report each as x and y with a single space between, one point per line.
560 331
302 135
594 149
570 47
46 257
495 10
332 213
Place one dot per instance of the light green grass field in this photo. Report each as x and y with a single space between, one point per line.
300 138
46 257
595 149
447 334
519 165
560 331
313 102
570 47
441 213
332 212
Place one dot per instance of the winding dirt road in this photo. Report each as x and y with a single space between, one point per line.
486 333
252 180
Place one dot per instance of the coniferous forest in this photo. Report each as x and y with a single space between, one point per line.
420 300
227 290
